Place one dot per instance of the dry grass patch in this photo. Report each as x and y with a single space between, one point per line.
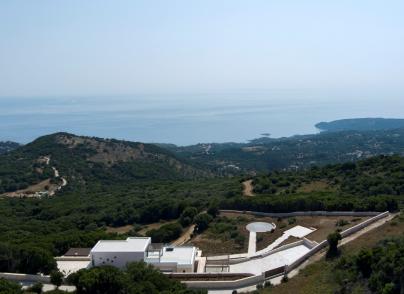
120 230
315 186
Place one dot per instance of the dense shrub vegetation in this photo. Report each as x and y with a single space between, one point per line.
165 233
381 175
380 268
312 202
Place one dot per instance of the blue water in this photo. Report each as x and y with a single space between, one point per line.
182 119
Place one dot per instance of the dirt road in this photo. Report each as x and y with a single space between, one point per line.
185 237
248 188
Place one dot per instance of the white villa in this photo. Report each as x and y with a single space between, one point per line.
120 252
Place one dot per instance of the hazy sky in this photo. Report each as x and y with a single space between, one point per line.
126 47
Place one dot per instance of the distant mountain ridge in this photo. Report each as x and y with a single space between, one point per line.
361 124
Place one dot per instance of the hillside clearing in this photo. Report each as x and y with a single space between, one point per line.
248 188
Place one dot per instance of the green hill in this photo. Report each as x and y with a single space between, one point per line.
374 184
294 153
81 160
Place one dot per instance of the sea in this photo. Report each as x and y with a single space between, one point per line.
184 119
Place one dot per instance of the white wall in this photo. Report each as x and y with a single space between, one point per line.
117 259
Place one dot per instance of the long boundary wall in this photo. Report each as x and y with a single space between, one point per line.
304 213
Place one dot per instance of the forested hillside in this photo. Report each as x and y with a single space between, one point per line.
8 146
361 124
380 175
294 153
375 184
82 160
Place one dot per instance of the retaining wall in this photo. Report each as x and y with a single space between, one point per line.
232 285
25 277
363 224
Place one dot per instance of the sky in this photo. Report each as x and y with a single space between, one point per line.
100 48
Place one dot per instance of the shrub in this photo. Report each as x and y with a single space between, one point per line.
268 284
341 223
202 222
333 240
56 278
36 288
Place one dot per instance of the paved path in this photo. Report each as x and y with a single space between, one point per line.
252 244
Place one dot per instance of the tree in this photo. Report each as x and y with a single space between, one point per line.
187 216
202 222
99 280
364 262
7 287
333 239
32 260
213 209
36 288
165 233
56 278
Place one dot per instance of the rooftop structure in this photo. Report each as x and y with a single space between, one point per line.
173 259
78 252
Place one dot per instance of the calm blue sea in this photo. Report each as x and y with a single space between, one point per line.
182 119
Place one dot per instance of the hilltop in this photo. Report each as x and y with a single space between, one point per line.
81 160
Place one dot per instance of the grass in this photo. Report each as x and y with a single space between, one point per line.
315 186
318 277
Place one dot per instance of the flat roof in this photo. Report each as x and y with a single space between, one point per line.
179 255
131 244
